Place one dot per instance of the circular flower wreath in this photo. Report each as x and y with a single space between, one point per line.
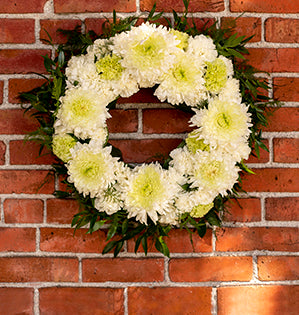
147 200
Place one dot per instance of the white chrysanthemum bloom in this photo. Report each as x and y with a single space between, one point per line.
181 162
183 83
115 77
149 192
213 173
231 91
82 112
92 168
100 48
202 47
223 122
182 37
109 201
229 65
147 52
187 200
82 71
61 146
238 150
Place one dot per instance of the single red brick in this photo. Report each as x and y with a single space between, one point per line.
261 300
148 150
14 121
22 60
123 120
282 209
274 59
123 270
283 119
286 150
271 6
23 210
26 182
16 301
1 91
175 301
17 239
51 27
178 241
64 240
38 269
93 24
264 155
73 6
243 210
2 152
246 26
178 6
286 89
61 210
64 301
281 30
272 179
17 31
142 96
24 153
211 269
17 86
22 6
260 238
278 267
165 121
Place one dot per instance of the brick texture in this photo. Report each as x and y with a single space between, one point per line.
123 270
264 238
282 209
82 300
286 89
23 210
262 300
17 239
211 269
278 268
22 6
267 6
281 30
17 31
156 300
33 269
73 6
243 210
286 150
16 301
61 210
195 6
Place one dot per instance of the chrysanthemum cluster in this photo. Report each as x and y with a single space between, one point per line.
186 70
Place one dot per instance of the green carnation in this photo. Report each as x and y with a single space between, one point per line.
62 144
194 144
109 67
216 75
200 210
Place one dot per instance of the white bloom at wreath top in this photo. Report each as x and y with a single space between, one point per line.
82 112
149 193
92 168
183 83
147 52
202 47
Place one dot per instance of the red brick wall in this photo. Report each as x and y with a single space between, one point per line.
252 265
